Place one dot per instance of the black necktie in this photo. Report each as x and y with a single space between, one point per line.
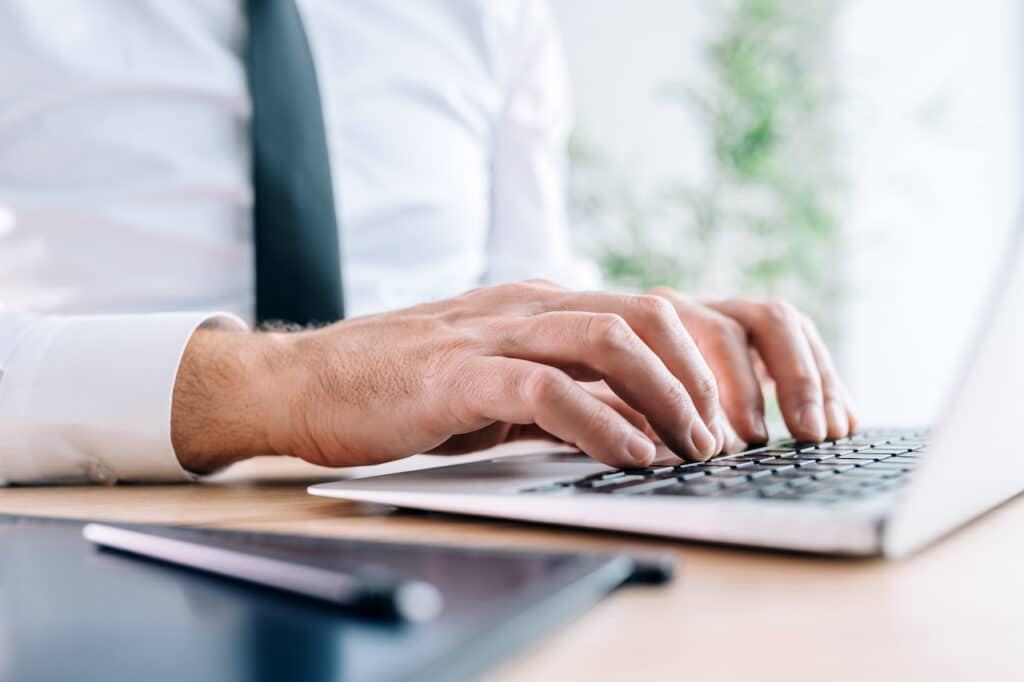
298 270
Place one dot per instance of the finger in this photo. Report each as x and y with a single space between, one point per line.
725 345
838 416
600 390
657 324
761 370
522 392
777 333
604 344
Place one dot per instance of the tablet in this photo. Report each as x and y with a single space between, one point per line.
69 610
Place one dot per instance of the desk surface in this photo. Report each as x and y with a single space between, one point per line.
955 611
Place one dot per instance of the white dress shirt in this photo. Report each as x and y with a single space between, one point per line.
125 193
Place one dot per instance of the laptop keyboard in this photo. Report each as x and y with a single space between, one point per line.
847 469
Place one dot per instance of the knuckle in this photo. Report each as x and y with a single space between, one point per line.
656 309
729 327
725 330
677 395
705 389
805 385
609 332
779 312
540 385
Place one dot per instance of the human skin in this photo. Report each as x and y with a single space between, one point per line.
613 374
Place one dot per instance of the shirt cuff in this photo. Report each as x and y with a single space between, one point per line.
89 398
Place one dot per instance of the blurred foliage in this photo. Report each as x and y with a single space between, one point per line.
763 220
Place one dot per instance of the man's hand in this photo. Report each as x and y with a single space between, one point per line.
492 365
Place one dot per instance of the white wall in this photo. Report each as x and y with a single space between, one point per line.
930 122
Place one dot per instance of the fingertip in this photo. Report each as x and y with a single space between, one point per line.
810 423
838 419
752 427
664 456
852 419
705 445
640 449
733 442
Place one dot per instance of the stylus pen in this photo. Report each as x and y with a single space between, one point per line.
369 596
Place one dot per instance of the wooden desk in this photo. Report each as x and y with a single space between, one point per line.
954 612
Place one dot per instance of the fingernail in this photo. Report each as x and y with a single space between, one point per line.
837 418
703 441
641 449
812 421
757 426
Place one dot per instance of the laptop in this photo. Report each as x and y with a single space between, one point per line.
879 492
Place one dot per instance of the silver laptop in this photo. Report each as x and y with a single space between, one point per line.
877 492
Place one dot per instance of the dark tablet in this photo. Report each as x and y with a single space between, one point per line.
71 611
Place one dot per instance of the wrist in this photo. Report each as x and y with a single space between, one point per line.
222 409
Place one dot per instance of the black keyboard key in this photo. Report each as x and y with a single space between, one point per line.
792 473
866 472
894 463
548 489
804 463
820 468
650 471
864 456
770 488
779 467
814 489
740 489
818 456
647 486
758 459
711 468
609 481
839 467
833 450
741 494
607 473
786 495
688 489
731 481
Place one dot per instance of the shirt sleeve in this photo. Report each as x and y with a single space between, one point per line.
88 398
529 234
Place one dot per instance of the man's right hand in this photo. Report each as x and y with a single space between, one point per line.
456 375
489 366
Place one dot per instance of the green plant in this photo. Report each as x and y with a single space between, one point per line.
763 222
